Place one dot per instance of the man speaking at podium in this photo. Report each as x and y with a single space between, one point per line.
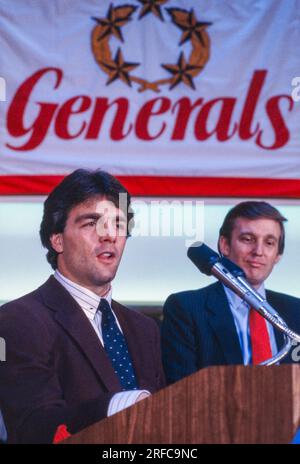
213 326
74 355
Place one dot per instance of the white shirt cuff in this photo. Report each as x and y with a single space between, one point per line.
123 400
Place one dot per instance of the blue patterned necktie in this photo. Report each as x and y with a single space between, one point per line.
116 347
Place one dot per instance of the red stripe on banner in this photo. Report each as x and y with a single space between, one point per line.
167 186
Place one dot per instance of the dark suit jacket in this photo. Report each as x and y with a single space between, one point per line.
56 370
198 329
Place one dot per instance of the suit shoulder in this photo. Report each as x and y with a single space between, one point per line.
134 315
189 300
192 294
22 303
288 307
27 312
283 298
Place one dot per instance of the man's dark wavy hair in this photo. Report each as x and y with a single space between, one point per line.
253 210
77 188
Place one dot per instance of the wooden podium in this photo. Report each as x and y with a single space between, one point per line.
233 404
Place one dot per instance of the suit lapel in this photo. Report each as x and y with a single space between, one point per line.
222 323
71 317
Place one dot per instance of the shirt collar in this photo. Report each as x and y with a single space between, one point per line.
86 299
235 301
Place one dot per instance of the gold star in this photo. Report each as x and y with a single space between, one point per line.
115 18
119 69
182 72
152 6
186 21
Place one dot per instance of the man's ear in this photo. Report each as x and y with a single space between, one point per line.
57 242
278 258
224 245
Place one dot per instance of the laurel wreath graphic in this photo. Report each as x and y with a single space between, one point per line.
184 71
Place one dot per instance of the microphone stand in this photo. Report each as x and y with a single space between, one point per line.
233 277
211 263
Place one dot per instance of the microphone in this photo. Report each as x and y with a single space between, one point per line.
232 276
241 277
211 263
203 257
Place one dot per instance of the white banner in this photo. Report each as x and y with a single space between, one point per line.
174 97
